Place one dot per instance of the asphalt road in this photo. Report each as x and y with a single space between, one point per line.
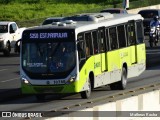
9 72
29 103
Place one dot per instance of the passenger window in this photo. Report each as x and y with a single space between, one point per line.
101 40
107 41
89 48
81 47
121 36
113 38
139 32
131 34
95 42
14 26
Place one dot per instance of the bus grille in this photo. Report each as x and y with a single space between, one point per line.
48 89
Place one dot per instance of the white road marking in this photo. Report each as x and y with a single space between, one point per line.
10 80
3 70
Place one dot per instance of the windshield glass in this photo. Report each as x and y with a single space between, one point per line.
3 28
49 60
148 14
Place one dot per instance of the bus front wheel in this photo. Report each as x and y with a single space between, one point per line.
86 94
40 97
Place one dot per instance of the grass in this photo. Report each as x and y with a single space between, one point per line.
21 12
26 11
33 12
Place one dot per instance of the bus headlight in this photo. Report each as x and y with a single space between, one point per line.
24 80
72 79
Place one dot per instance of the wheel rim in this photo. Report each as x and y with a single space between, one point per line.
89 88
124 78
8 47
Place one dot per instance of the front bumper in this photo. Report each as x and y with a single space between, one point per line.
48 89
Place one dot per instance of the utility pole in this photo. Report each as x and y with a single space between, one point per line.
125 4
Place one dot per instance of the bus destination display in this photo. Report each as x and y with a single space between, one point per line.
48 35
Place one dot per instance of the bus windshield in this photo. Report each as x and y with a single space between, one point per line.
48 60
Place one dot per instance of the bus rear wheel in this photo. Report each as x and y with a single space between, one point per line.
121 85
86 94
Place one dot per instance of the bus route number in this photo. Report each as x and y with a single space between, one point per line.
34 35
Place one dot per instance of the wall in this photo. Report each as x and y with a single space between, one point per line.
140 107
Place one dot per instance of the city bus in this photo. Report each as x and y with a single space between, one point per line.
81 53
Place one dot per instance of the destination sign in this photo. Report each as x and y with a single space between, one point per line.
48 35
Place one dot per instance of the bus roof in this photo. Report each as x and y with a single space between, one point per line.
103 19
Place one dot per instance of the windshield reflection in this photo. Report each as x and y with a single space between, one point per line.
55 57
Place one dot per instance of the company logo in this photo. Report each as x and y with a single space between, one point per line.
6 114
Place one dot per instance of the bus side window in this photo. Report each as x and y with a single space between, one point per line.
139 32
95 42
89 48
81 50
101 41
113 38
131 33
121 36
107 40
81 47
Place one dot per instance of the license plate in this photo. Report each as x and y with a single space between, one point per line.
56 82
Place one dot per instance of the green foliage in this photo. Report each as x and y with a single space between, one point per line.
37 10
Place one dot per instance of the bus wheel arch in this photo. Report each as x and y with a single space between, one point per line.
123 82
86 94
121 85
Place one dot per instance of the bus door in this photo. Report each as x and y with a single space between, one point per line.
132 41
102 48
97 55
141 54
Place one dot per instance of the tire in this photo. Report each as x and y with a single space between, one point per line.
121 85
17 47
7 50
40 97
86 94
151 44
156 43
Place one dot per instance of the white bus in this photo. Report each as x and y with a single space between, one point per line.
82 53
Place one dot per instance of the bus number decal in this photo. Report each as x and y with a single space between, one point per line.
33 35
56 82
98 64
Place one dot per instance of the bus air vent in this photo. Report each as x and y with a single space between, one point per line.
95 17
70 22
62 24
55 23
